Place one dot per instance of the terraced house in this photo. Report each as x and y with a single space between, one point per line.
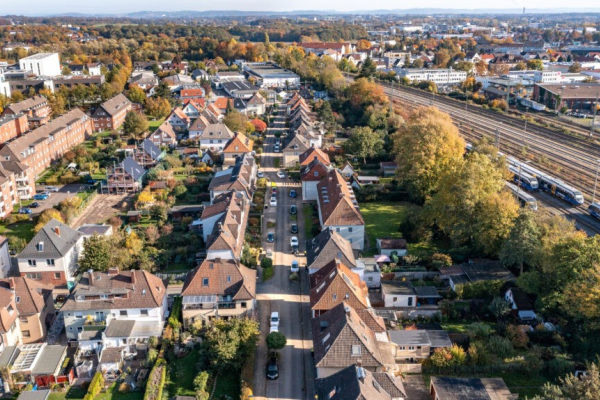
12 126
48 143
111 114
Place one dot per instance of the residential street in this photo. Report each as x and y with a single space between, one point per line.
289 298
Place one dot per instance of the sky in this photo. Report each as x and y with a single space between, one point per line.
40 7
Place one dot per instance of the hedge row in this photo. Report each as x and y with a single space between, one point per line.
154 389
96 386
175 313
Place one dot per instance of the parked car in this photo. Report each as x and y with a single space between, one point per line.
294 241
293 194
270 237
35 204
273 202
294 228
276 149
273 328
293 209
275 319
51 189
295 267
40 196
24 210
280 174
272 368
273 190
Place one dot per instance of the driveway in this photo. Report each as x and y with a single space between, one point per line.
64 192
101 208
296 377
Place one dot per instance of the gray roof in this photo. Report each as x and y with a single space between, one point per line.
151 149
94 229
8 355
350 384
91 334
410 338
427 291
111 355
487 271
469 388
34 395
393 287
119 328
133 168
439 338
47 243
326 246
233 86
50 360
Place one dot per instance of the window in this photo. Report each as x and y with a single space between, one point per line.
350 229
31 262
411 347
144 312
123 313
410 301
50 261
243 304
228 278
204 281
334 297
103 296
57 275
26 333
78 315
356 350
23 318
370 279
394 299
337 230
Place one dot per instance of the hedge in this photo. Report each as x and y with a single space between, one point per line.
96 386
153 389
175 313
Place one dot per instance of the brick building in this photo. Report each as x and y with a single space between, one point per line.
110 115
48 143
36 108
12 126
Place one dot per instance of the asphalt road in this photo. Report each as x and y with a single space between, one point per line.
64 192
290 298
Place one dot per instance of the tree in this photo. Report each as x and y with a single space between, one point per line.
266 263
575 67
200 382
574 388
535 64
152 234
164 91
259 125
66 71
368 69
522 245
363 44
499 307
426 146
136 94
441 58
135 124
448 357
46 216
97 254
235 121
363 93
276 341
364 143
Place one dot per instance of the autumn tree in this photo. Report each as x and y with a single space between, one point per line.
46 216
135 124
259 125
572 387
363 93
363 44
535 64
522 245
575 67
235 121
364 143
426 146
97 254
157 107
136 94
441 58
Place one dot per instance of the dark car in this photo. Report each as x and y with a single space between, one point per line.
294 228
41 196
293 210
293 194
273 368
270 237
24 210
35 204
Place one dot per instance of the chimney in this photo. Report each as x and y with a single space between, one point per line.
11 284
113 271
133 277
57 230
91 276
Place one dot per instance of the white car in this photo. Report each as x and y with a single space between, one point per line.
276 149
275 319
260 174
274 328
273 202
280 174
294 241
51 189
295 266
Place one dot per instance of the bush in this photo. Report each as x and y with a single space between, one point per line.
156 381
439 260
499 346
266 263
517 336
96 386
124 387
276 340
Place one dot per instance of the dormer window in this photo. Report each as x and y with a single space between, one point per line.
228 278
40 246
79 298
204 281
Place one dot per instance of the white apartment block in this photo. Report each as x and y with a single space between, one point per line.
42 64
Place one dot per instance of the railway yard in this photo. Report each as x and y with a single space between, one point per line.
569 156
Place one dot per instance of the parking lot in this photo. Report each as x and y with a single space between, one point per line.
64 192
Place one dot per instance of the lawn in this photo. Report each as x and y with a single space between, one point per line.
77 393
382 219
307 212
460 327
228 384
268 273
182 371
153 125
277 162
20 229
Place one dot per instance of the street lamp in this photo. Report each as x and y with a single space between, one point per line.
595 181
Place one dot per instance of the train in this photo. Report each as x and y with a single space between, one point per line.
549 184
524 198
528 181
594 210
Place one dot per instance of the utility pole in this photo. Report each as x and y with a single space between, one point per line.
594 119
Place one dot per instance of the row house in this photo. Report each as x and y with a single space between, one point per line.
148 154
212 137
326 246
125 177
12 126
224 233
164 135
338 209
218 289
116 310
34 305
236 148
314 166
111 114
240 178
44 365
179 120
51 257
356 382
48 143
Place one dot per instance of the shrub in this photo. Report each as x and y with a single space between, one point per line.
440 260
96 386
499 346
266 263
276 340
517 336
200 381
480 330
124 387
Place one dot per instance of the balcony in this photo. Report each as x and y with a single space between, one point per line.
226 304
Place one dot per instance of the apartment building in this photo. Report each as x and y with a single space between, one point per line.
41 64
17 182
36 108
110 115
12 126
48 143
